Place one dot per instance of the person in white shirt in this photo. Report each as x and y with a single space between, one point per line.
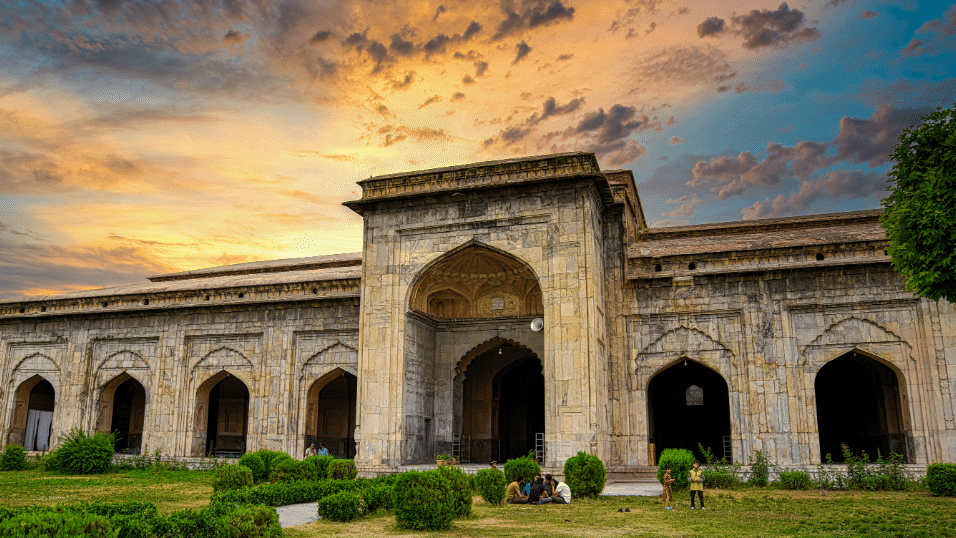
562 494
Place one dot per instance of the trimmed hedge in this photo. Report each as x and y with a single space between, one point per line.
720 478
282 494
941 479
271 458
585 475
256 521
52 523
14 458
423 501
792 479
378 498
523 466
342 470
681 462
491 485
342 506
255 464
286 471
316 467
460 489
232 477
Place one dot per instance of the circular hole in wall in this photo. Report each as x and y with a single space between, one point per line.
657 268
692 266
819 257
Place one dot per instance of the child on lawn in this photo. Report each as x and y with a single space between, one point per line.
667 496
696 479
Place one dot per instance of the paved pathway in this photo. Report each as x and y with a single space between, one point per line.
300 514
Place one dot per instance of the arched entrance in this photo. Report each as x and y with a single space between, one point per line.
858 404
39 416
502 402
225 423
688 404
330 418
123 410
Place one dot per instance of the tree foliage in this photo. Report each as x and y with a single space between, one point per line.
920 216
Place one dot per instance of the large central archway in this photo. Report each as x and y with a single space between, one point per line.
688 404
502 402
858 404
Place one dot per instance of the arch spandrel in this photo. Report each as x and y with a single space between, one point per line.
476 281
856 334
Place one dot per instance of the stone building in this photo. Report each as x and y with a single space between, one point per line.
789 336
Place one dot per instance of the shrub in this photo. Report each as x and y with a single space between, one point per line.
523 466
941 479
680 460
794 479
14 458
460 489
720 478
423 501
282 494
255 464
378 497
286 471
585 475
342 506
316 467
491 485
84 454
52 523
270 458
759 469
255 521
342 470
232 477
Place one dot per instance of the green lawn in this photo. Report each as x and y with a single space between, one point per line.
744 512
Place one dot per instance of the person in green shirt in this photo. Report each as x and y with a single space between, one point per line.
696 479
513 493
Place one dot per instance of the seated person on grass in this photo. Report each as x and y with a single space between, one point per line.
562 494
538 495
550 484
527 487
512 494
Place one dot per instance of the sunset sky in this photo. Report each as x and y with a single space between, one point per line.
143 137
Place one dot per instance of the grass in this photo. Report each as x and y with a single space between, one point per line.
744 512
747 512
169 490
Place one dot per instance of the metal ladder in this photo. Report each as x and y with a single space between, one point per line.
539 447
728 453
461 448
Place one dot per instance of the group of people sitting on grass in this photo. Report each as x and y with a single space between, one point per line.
538 491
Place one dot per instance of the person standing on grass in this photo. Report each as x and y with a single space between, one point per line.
667 496
696 479
513 493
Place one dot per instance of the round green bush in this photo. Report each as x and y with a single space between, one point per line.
460 489
14 458
342 470
680 460
316 467
85 454
788 479
255 521
423 501
53 523
270 458
523 466
341 506
232 477
941 479
286 471
378 498
585 475
491 485
255 464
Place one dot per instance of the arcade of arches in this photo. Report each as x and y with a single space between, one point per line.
330 418
859 405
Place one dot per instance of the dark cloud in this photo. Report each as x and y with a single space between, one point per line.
532 14
674 140
711 26
550 108
473 28
650 28
355 39
321 36
405 83
872 140
685 64
565 57
457 96
763 28
471 55
430 100
867 14
467 80
480 68
234 37
935 36
441 9
436 45
394 135
523 50
400 46
837 185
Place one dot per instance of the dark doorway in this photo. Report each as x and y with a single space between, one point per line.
39 416
331 415
858 404
228 414
688 404
129 406
520 392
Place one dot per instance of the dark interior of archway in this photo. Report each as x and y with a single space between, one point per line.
129 405
520 389
42 396
858 404
335 412
678 420
228 411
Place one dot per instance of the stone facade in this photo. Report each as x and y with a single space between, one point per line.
735 331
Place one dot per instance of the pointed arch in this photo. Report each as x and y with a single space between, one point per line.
224 358
330 412
34 406
122 408
484 347
854 333
220 419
